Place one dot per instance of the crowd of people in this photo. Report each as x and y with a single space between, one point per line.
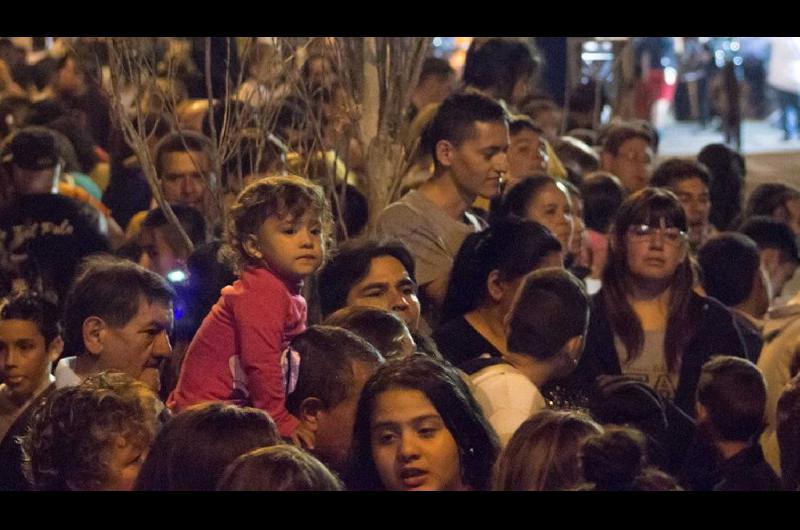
543 308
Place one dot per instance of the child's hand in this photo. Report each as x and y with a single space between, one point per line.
303 437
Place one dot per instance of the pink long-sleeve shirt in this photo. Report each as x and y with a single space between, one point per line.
235 355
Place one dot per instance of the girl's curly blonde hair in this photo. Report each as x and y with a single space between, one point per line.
282 196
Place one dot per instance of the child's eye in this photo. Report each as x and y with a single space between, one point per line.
316 231
289 231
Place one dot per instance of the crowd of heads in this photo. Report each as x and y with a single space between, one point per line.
605 303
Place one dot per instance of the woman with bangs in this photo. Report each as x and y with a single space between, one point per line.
646 321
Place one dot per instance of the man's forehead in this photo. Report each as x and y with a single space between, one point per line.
153 311
183 158
385 266
691 184
19 327
485 130
635 143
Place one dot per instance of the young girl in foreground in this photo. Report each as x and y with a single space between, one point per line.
418 428
277 235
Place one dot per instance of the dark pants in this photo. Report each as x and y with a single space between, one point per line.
790 112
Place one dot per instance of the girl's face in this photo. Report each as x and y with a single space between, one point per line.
124 462
579 227
552 208
655 252
412 448
291 247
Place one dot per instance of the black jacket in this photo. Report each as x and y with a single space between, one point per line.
11 475
746 471
717 333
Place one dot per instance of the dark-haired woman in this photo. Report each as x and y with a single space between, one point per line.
647 321
485 277
419 428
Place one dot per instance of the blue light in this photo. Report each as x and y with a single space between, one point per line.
176 276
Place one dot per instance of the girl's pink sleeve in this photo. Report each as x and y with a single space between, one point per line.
260 319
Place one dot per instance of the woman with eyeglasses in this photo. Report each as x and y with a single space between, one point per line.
646 321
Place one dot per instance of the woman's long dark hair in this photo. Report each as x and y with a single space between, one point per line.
647 206
512 246
477 442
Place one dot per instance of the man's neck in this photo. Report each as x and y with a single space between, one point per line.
419 101
443 192
85 365
537 372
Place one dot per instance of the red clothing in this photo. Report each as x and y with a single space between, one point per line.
235 355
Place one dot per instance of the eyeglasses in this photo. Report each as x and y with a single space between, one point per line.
641 233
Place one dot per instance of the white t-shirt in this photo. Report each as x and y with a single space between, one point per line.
65 373
507 398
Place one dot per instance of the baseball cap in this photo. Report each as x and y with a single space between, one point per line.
33 148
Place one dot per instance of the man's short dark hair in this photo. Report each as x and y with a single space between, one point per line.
551 307
351 264
380 328
192 221
327 355
519 123
675 170
603 194
110 288
734 393
34 308
768 197
616 135
435 66
729 279
456 117
497 64
771 233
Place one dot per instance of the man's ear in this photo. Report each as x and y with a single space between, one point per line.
495 286
567 359
94 328
574 346
444 152
55 348
250 245
310 409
